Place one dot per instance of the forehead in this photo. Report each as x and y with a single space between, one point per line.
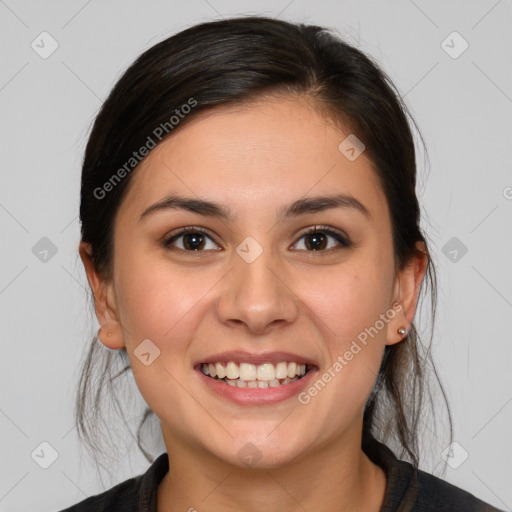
255 156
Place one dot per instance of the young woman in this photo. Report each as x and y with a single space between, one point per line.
250 232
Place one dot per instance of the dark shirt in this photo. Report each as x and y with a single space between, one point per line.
406 489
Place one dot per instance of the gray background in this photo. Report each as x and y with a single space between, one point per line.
462 104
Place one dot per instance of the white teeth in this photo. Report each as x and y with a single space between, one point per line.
232 371
221 371
259 383
292 368
266 372
281 370
246 372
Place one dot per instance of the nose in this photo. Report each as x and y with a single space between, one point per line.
256 296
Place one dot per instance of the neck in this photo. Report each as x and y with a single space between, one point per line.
337 477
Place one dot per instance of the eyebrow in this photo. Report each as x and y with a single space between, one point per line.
300 207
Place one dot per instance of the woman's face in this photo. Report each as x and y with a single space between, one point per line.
255 285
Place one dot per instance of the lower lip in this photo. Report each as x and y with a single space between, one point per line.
259 396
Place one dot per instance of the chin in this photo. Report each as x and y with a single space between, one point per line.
247 451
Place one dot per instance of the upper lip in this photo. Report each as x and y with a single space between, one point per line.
263 357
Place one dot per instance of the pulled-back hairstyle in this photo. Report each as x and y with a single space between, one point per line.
235 61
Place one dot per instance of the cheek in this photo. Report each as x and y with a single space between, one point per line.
348 299
155 298
162 305
346 305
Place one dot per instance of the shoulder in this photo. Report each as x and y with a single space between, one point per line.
133 495
120 497
411 489
433 493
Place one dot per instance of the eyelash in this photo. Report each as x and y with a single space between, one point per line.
344 241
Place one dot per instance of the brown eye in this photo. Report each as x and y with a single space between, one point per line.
194 240
317 239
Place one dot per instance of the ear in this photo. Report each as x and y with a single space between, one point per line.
104 301
405 295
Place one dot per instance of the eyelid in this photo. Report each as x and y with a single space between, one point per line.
341 237
166 241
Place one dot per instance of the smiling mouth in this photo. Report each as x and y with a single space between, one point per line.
246 375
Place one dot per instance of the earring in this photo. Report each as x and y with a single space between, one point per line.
108 332
402 331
